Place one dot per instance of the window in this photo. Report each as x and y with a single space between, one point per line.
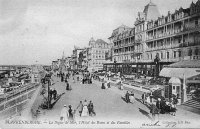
174 54
196 22
161 55
190 52
173 87
196 51
179 53
167 55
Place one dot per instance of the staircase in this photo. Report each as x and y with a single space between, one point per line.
192 103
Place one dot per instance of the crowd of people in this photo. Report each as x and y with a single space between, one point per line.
85 109
86 78
160 105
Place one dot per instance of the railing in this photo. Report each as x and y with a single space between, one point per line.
174 31
9 95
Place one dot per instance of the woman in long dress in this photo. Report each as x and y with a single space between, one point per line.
131 97
85 109
64 114
148 99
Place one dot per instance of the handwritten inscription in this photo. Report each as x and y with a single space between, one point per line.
154 124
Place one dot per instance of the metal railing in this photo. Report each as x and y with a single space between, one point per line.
19 91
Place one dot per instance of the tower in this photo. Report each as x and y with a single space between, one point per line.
91 42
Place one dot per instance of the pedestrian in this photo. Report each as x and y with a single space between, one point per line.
65 80
144 98
85 109
127 97
77 78
158 104
62 78
151 96
173 109
63 114
80 108
175 101
50 94
148 99
103 85
91 109
70 114
131 97
67 85
154 110
54 94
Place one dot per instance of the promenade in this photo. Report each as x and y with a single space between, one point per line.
108 106
108 103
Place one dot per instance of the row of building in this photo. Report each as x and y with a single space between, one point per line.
91 58
170 38
155 46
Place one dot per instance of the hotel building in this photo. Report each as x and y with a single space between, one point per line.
96 54
171 38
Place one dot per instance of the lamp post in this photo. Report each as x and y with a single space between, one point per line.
115 65
48 90
156 61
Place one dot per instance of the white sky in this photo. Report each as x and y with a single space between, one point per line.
40 30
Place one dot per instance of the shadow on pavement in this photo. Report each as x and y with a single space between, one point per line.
59 96
124 99
145 113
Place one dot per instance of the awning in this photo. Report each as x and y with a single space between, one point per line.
179 72
175 80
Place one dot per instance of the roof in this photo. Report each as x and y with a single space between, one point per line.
92 40
175 80
151 11
100 41
186 64
179 72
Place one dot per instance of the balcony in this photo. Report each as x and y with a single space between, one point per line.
191 27
138 41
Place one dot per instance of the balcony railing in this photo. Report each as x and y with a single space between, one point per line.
175 31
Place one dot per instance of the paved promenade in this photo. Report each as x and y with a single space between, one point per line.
108 105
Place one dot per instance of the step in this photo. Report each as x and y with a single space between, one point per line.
192 103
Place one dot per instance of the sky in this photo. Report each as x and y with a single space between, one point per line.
38 31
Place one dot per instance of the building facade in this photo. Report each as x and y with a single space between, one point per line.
149 13
123 40
96 54
75 60
162 39
174 37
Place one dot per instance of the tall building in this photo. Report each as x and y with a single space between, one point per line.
96 54
167 39
174 37
149 13
123 39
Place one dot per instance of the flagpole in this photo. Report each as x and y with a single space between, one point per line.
184 89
